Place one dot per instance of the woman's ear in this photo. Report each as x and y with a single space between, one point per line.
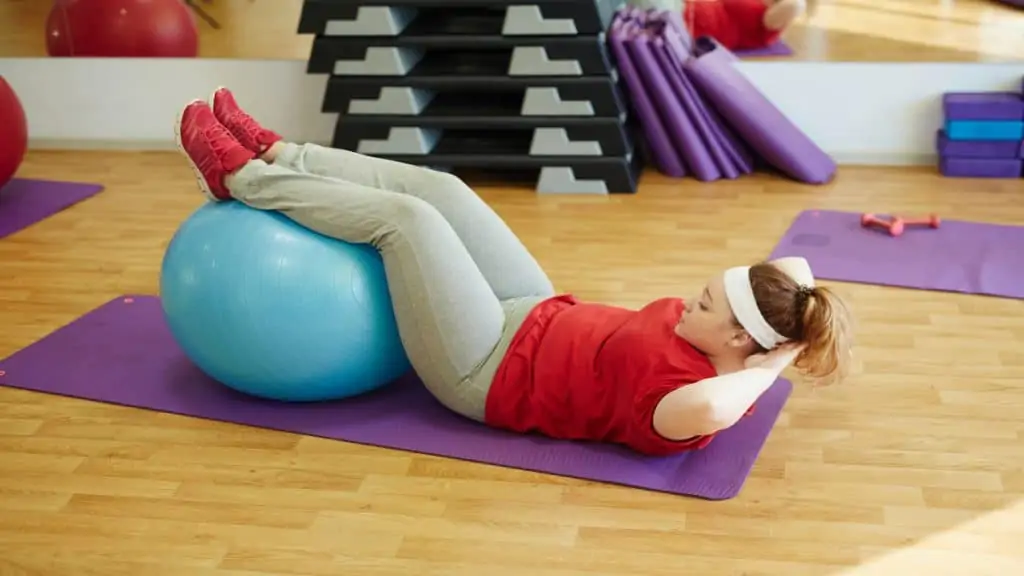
740 339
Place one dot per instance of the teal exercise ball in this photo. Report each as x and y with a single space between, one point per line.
275 310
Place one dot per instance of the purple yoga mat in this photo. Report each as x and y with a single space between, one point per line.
683 134
719 165
779 48
732 156
123 353
679 125
658 142
25 202
967 257
652 60
755 118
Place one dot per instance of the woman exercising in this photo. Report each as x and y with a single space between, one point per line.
735 24
482 324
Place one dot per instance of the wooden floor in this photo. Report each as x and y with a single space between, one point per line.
840 30
914 466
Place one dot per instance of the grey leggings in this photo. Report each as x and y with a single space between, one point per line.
461 282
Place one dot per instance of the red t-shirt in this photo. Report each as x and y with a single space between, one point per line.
736 24
582 371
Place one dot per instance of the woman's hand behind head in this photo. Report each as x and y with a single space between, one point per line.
776 359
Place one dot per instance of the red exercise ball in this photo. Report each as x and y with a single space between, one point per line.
13 132
122 29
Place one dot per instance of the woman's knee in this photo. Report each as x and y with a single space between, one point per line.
415 220
445 184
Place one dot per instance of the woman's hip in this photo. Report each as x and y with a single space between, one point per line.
468 397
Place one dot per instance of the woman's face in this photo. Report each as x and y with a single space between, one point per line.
707 323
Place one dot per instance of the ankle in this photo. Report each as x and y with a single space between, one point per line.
270 154
228 181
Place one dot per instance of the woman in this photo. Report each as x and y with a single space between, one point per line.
742 24
480 320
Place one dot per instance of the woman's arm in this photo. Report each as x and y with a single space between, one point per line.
717 403
782 13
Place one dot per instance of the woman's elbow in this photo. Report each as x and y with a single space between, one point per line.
682 421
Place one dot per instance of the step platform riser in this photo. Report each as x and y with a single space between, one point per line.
374 138
395 17
581 56
579 175
497 96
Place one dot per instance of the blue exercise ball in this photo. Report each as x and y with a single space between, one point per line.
275 310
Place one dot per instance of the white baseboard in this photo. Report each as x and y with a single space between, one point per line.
885 159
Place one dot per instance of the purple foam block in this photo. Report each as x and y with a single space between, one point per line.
966 257
25 202
981 167
982 106
975 148
123 353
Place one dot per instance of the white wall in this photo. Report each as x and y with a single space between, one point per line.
861 113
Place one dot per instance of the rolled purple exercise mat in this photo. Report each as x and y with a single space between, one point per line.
738 154
756 119
709 148
663 155
680 129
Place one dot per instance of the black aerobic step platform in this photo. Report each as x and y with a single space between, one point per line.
390 135
565 175
454 17
463 55
427 96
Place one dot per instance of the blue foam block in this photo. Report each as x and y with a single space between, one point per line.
984 130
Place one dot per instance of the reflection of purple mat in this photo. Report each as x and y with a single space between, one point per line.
968 257
25 202
779 48
122 353
684 134
700 114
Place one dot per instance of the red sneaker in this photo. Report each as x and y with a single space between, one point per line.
211 150
243 126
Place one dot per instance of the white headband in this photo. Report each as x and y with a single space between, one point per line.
744 307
